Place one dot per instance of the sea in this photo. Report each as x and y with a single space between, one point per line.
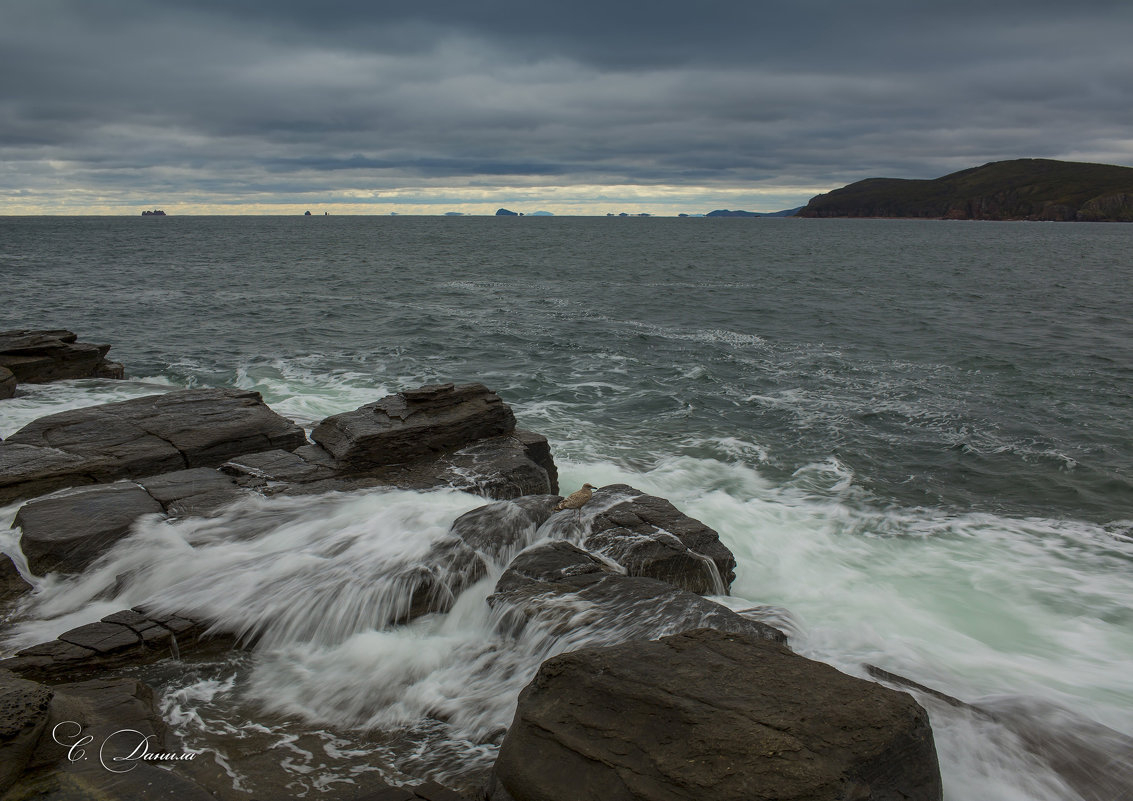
915 436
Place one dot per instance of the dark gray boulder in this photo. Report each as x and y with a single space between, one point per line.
648 536
413 424
67 532
141 437
561 586
261 469
711 715
37 357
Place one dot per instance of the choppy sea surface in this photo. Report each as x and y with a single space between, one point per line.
914 435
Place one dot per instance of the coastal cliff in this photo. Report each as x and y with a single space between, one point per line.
1021 189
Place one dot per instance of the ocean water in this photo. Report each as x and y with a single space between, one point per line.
914 436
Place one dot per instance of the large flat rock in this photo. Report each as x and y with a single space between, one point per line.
712 715
141 437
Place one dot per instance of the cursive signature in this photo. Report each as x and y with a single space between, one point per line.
119 752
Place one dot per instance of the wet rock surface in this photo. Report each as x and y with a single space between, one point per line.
117 715
24 711
709 714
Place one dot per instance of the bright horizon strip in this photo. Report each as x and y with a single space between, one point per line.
575 200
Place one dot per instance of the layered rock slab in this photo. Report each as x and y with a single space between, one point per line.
127 638
140 437
415 423
38 356
709 714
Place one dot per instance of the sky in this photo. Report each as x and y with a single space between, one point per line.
579 107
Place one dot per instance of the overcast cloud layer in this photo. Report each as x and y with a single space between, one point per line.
576 107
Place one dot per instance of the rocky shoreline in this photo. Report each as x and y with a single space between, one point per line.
681 697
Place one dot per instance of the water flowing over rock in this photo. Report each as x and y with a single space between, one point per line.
561 586
648 536
501 530
1080 751
37 357
140 437
707 714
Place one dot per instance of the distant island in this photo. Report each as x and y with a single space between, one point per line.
154 213
1020 189
739 213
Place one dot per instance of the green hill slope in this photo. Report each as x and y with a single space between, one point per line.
1022 189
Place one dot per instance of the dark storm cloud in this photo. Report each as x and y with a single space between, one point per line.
229 97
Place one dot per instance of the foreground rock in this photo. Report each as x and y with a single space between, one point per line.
37 357
140 437
707 714
38 725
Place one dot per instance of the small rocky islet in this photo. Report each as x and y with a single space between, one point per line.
683 699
